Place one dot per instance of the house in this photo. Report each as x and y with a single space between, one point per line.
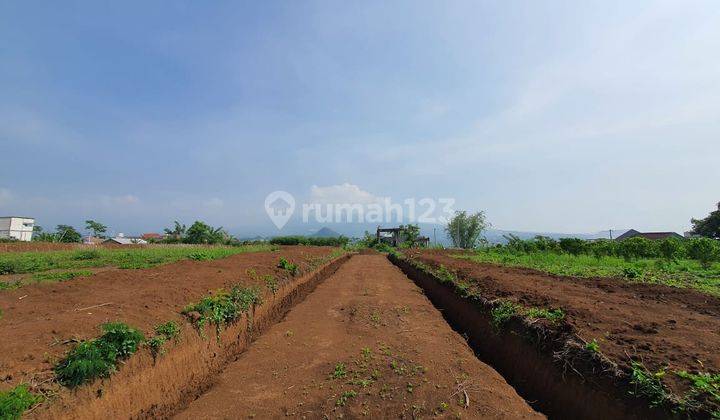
396 236
121 239
152 236
93 240
655 236
17 227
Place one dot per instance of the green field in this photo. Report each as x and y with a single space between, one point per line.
678 273
39 262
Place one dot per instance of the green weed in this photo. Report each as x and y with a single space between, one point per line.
552 315
592 346
344 397
647 384
271 283
223 308
502 312
339 372
163 333
286 265
98 357
15 401
701 385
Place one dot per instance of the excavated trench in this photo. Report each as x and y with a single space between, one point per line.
148 388
529 361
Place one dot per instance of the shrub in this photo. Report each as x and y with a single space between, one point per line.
573 246
223 308
552 315
671 248
705 250
98 357
15 401
288 266
602 248
638 247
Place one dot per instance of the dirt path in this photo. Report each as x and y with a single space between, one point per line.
366 342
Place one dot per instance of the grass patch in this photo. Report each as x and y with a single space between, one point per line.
339 372
15 401
678 273
60 275
32 262
98 358
552 315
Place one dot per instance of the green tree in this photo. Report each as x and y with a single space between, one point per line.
66 233
97 228
464 230
202 233
671 248
709 226
573 246
177 232
704 250
410 234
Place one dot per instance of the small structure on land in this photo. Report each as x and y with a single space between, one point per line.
397 236
124 240
655 236
152 236
93 240
17 227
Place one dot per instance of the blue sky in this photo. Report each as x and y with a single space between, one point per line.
550 116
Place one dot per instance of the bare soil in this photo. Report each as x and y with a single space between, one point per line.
366 342
41 322
663 327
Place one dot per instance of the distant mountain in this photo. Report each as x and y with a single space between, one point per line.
326 232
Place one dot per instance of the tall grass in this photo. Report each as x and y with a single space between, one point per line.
678 273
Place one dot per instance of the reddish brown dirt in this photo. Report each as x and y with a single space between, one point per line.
664 327
400 358
38 321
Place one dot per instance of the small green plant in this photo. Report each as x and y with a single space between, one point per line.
592 346
445 275
15 401
286 265
502 312
344 397
163 333
632 272
98 357
552 315
647 384
10 285
271 283
339 372
200 256
701 384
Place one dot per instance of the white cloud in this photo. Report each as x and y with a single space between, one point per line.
342 194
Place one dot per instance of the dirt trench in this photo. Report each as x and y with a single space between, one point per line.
366 343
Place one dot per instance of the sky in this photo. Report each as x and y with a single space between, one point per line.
553 116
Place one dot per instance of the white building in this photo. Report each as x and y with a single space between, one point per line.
20 228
